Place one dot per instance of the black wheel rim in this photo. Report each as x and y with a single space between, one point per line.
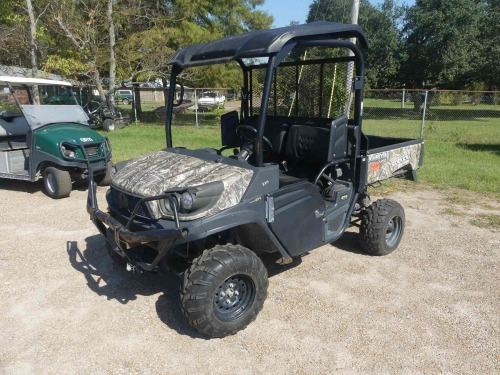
234 297
393 231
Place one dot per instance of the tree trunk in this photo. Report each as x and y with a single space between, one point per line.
97 79
112 55
34 49
137 98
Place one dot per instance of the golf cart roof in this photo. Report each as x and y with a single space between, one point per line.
33 81
262 43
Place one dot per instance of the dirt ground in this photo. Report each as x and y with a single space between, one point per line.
433 306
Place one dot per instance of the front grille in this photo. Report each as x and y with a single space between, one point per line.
128 202
92 150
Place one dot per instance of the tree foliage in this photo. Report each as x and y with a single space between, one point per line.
384 55
438 43
443 42
75 37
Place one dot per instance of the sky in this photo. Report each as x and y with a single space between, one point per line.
285 11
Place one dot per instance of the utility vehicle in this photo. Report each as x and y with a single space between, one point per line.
297 178
41 137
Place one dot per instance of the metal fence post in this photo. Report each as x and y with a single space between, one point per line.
403 98
423 115
134 104
196 107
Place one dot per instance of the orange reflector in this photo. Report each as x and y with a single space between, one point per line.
374 167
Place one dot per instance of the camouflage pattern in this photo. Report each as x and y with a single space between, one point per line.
385 164
155 173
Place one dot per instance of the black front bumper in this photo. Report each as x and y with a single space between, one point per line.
123 237
123 234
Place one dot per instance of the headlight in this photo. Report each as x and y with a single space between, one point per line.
187 201
67 152
193 200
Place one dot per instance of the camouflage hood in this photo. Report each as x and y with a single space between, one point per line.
160 171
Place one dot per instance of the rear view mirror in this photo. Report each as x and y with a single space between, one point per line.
179 94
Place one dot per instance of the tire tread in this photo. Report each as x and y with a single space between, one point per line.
373 226
198 281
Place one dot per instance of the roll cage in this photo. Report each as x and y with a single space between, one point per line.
275 45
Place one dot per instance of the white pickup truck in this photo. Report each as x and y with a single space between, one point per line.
211 99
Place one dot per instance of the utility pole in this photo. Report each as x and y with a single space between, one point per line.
354 12
350 65
34 48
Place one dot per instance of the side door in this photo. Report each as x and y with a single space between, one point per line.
295 215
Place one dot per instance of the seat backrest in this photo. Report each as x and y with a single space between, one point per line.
228 124
317 145
276 133
16 125
307 144
338 139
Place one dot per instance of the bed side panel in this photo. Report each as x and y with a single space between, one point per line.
389 163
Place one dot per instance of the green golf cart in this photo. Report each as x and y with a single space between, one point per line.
45 139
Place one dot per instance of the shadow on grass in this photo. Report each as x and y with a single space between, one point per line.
486 147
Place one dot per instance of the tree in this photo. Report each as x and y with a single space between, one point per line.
125 40
83 24
112 53
380 24
443 42
20 33
155 30
488 67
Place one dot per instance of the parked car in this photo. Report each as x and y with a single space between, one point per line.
210 100
48 139
124 96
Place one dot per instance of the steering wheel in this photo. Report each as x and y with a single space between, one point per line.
248 134
92 107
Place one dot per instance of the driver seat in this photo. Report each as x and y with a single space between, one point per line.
309 148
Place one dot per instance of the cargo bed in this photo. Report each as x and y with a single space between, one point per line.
393 157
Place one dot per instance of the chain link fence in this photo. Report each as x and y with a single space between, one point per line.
388 112
199 107
411 109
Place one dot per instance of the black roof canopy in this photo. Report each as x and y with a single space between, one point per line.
262 43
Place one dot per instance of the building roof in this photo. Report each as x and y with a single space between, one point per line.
33 81
262 43
16 71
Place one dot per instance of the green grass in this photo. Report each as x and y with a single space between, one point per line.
135 140
486 221
458 154
462 154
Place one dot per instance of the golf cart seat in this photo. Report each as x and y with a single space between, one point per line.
309 148
13 124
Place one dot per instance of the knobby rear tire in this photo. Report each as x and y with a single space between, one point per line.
382 227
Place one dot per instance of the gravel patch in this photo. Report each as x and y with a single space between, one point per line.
432 306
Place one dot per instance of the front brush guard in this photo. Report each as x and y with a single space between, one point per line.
123 234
